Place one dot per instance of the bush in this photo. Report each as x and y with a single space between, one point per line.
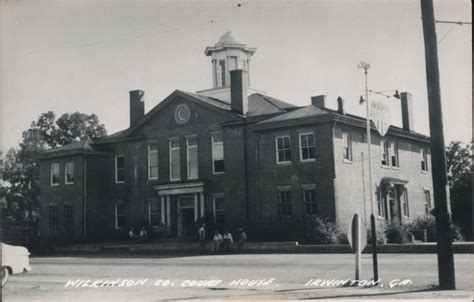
322 231
428 223
397 233
380 233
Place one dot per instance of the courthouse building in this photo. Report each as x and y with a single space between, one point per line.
234 155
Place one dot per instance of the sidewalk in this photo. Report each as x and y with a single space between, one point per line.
251 247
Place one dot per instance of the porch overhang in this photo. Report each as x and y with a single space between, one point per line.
181 188
393 181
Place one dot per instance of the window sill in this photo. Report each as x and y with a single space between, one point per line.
424 172
347 161
307 160
119 182
68 183
54 185
385 167
217 173
285 163
175 180
395 168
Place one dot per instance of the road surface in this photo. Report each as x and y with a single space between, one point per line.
249 277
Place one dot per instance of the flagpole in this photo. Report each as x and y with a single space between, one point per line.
366 66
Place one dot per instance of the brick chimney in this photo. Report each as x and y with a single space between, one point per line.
238 91
137 106
340 105
407 110
318 100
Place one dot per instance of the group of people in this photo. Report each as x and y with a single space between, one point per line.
222 243
142 236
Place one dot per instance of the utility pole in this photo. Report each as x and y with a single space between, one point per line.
446 274
373 231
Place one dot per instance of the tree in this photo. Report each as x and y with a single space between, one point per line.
459 165
21 171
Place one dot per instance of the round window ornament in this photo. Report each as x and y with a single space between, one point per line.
182 114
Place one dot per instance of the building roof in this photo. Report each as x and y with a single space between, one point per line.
303 112
84 145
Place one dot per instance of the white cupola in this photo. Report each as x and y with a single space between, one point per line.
228 54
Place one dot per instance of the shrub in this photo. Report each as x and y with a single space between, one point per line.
397 233
428 223
380 233
322 231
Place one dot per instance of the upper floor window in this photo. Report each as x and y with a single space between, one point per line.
217 153
427 201
347 147
309 200
119 216
286 208
55 174
175 160
192 152
307 147
424 160
394 155
219 209
385 153
153 161
119 169
69 173
283 149
68 217
53 216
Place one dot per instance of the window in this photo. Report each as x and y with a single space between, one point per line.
175 165
55 174
119 216
347 147
119 169
219 209
404 199
424 160
427 201
307 150
309 200
69 173
68 217
286 208
283 149
217 153
192 153
153 161
385 153
53 216
154 213
380 203
222 72
394 155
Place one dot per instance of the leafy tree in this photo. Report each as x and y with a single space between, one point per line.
459 164
21 171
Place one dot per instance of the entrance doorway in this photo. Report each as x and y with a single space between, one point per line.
187 222
186 214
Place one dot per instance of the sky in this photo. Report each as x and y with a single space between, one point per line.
85 56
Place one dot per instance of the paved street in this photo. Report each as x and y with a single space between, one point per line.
275 276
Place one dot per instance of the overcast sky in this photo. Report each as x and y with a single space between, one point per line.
85 56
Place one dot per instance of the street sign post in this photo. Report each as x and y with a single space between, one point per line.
357 236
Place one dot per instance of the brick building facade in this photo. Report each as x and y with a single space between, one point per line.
235 155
